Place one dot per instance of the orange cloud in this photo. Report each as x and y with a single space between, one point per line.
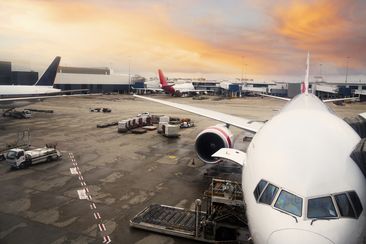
329 28
89 34
81 32
107 33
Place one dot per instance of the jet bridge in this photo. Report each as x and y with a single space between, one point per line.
224 219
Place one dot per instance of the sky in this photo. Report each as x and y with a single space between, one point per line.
191 38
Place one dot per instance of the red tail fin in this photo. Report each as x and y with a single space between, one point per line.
303 88
162 78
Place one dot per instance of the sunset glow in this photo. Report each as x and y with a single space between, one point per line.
185 37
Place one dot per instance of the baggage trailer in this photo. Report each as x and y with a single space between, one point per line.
223 222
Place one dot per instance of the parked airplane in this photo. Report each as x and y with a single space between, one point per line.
301 179
13 96
152 86
177 89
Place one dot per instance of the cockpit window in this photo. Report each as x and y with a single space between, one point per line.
321 207
356 203
289 203
268 194
260 187
344 205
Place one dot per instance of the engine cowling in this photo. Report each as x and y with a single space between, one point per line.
211 140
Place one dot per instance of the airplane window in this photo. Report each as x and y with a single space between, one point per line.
289 203
344 205
268 194
321 207
356 202
258 190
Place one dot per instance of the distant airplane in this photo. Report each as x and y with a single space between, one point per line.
301 181
177 89
150 86
13 96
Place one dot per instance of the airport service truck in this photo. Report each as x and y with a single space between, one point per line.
19 158
25 114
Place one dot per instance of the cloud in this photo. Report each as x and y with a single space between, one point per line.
93 34
198 36
331 29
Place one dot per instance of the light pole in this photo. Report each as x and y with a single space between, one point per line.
320 69
129 74
242 68
245 75
347 69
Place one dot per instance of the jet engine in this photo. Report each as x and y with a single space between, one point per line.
211 140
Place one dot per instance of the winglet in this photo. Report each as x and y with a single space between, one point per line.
305 87
48 77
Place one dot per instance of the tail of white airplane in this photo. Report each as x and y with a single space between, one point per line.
305 84
49 75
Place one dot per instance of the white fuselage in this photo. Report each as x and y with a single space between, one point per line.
184 87
305 149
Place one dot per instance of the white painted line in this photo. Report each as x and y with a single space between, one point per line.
106 240
102 227
86 189
78 168
81 177
89 197
73 171
97 215
82 194
92 206
75 164
83 183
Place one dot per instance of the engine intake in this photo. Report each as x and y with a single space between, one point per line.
211 140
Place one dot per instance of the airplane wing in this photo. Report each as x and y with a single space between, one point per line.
41 97
324 101
341 99
246 124
148 89
73 91
276 97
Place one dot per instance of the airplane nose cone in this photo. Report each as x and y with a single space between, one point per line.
297 236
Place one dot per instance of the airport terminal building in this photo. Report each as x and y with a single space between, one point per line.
11 77
97 80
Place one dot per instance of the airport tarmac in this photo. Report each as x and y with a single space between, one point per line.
123 173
